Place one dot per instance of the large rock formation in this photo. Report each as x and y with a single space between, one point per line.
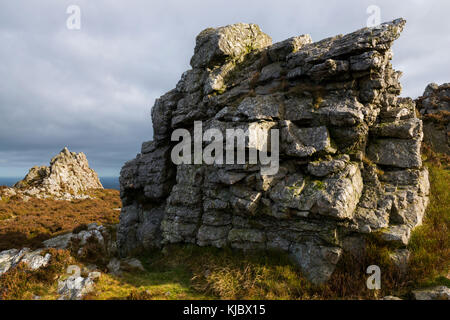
68 176
349 164
434 106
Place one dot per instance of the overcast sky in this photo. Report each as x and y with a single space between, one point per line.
92 89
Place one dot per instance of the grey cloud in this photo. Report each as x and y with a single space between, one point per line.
92 89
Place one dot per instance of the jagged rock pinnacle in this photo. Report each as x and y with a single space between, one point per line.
68 175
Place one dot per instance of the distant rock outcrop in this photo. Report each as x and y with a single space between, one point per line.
68 176
434 106
349 164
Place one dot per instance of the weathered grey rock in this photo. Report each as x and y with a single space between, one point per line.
260 142
366 61
213 46
396 153
340 111
132 264
67 177
403 129
304 142
435 293
326 167
260 107
279 51
404 177
150 172
8 258
95 235
435 99
129 264
340 195
328 69
317 262
349 150
246 238
391 298
395 109
33 259
271 72
59 242
398 234
114 267
75 287
348 44
213 235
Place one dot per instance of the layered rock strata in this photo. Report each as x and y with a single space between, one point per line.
349 165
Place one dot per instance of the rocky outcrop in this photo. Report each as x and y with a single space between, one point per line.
349 162
75 287
434 106
434 293
68 176
33 259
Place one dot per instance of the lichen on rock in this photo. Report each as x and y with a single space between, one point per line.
349 150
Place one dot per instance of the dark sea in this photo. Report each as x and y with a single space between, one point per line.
110 182
9 181
107 182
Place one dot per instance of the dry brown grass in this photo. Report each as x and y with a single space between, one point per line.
27 224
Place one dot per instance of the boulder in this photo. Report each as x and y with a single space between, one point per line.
348 162
214 46
94 237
